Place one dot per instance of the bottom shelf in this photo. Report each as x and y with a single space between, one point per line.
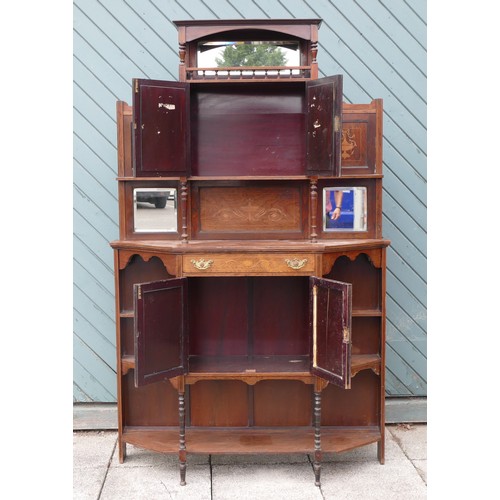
221 440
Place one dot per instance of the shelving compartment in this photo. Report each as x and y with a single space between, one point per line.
251 129
250 325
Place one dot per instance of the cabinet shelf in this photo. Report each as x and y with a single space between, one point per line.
249 369
222 440
366 313
128 363
254 368
361 362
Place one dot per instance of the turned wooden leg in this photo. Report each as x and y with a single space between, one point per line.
182 439
317 438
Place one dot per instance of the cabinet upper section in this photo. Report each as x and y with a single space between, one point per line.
242 50
256 129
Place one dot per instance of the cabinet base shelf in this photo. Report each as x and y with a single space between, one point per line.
249 440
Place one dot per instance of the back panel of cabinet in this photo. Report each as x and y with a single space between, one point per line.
255 129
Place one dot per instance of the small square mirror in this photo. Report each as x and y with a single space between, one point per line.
344 209
155 210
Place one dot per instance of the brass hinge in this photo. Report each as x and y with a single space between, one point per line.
139 292
136 88
347 335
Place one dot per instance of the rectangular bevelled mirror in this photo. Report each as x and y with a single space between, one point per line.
155 210
344 209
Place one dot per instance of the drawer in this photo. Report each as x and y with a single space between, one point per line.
248 264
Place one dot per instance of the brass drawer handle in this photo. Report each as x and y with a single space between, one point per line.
296 263
202 264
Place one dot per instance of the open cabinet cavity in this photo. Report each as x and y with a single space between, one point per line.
229 129
246 328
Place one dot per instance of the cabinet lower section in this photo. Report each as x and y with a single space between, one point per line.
249 440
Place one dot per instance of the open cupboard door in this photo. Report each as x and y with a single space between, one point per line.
324 125
160 122
330 319
160 330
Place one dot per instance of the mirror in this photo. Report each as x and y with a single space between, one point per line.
344 209
219 54
155 210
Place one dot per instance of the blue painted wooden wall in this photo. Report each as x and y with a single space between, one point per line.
379 47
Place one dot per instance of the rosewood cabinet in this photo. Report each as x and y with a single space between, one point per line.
250 269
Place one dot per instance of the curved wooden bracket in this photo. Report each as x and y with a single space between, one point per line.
169 261
374 256
178 383
319 384
374 369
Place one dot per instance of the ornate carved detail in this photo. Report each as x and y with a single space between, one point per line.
182 53
317 437
182 438
314 208
184 196
349 144
314 51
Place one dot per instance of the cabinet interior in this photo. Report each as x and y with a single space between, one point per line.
248 323
251 129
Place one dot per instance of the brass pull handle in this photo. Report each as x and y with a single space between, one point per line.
202 264
296 263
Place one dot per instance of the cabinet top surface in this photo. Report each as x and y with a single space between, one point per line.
226 246
245 22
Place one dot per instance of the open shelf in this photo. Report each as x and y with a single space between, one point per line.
361 362
221 440
258 367
366 312
248 364
249 368
128 363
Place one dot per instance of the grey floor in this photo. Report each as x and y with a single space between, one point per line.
97 474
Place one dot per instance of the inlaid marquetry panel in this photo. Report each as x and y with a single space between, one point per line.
357 152
249 210
354 145
222 264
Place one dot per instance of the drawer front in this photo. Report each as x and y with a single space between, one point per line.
248 264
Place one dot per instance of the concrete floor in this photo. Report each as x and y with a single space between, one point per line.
353 475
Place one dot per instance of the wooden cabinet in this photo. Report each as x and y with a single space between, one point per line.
250 269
